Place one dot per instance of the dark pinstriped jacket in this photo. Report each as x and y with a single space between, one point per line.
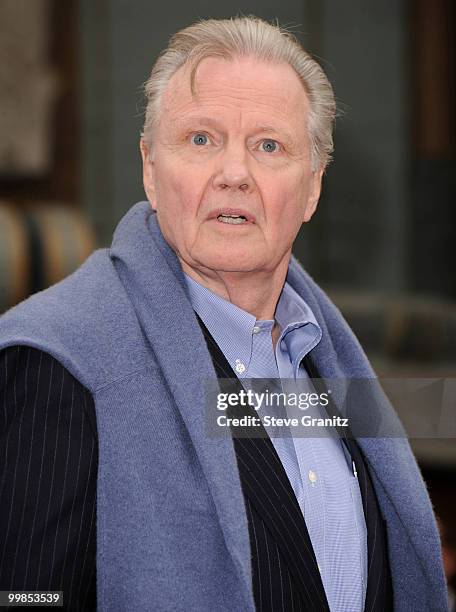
48 472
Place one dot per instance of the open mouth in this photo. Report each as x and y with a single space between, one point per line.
232 219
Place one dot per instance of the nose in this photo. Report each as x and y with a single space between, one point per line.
233 172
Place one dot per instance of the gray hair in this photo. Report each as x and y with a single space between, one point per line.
245 36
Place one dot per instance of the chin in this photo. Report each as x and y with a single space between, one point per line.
229 263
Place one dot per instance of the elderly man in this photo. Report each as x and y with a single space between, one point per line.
103 376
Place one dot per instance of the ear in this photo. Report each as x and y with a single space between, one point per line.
314 194
148 174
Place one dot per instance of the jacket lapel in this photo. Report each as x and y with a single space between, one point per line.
266 484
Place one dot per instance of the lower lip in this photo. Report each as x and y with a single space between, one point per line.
232 225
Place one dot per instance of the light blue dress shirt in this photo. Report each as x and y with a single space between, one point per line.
318 469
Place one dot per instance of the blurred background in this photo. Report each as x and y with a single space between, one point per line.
382 241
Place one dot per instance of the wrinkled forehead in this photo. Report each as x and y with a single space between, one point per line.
244 86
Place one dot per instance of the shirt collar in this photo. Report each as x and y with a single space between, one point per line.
232 328
300 331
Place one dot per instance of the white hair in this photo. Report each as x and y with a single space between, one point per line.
245 36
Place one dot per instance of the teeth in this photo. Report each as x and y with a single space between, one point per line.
234 220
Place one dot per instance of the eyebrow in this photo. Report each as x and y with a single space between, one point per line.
197 119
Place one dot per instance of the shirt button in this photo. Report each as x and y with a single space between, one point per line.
240 367
256 329
312 477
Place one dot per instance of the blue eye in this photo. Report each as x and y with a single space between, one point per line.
199 139
269 146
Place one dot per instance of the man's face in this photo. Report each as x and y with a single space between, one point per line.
229 173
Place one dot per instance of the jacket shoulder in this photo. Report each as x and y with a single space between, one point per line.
86 321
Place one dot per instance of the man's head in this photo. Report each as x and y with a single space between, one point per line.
238 123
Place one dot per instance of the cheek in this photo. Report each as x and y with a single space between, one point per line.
297 193
283 204
181 191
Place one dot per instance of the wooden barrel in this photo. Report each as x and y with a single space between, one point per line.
14 256
60 240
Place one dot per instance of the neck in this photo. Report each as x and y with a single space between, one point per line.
256 293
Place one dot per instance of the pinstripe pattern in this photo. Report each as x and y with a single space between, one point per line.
48 454
285 525
285 599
